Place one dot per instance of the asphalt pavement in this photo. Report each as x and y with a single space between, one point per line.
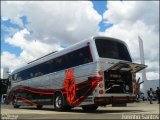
140 110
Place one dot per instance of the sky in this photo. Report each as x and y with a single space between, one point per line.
31 29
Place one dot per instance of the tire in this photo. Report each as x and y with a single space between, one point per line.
39 106
14 103
58 102
89 107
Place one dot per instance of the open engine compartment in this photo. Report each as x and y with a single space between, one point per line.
118 82
118 78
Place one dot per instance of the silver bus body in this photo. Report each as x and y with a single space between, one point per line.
88 79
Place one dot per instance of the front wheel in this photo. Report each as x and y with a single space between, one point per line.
14 103
89 107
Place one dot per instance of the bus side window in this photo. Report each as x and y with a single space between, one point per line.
18 78
15 77
12 77
36 75
31 75
81 58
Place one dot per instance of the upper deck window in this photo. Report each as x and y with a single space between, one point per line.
112 49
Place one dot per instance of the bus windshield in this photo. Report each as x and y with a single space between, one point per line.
112 49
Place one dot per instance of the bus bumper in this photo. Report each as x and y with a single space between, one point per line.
114 100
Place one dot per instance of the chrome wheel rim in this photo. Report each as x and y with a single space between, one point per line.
58 102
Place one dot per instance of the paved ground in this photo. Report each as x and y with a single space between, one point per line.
138 110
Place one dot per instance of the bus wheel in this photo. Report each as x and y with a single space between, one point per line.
89 107
39 106
58 102
14 103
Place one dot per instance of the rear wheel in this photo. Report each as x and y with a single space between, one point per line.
59 103
89 107
14 103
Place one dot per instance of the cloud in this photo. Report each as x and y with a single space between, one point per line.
152 75
63 21
10 60
133 18
31 49
51 24
131 11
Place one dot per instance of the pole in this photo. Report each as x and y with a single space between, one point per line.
142 62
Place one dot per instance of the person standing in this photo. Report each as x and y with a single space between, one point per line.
142 96
158 94
150 93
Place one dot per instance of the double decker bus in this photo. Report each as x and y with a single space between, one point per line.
95 72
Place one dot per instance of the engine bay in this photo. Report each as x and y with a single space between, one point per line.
118 81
